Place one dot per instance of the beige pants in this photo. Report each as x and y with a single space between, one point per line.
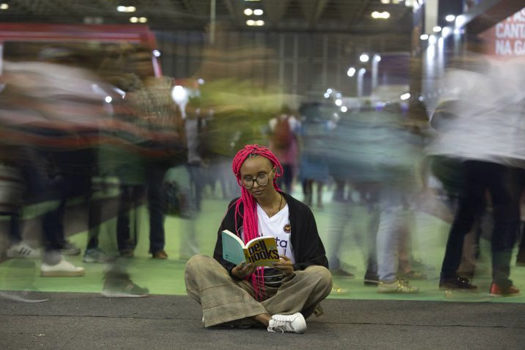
224 299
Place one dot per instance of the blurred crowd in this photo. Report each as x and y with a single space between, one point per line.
100 129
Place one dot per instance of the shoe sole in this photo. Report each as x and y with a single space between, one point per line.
122 295
503 295
461 290
62 273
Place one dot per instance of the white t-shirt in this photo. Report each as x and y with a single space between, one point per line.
277 226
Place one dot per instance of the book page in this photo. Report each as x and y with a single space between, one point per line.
232 248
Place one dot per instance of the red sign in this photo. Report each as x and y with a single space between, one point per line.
507 38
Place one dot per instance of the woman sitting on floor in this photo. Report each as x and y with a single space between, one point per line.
279 297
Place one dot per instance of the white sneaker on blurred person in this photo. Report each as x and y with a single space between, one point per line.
62 269
23 250
287 323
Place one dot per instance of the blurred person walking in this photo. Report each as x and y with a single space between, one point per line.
487 136
283 143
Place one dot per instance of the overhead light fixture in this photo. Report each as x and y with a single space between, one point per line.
133 19
4 6
156 53
446 32
423 37
108 99
405 96
450 18
252 23
248 12
351 72
143 19
377 58
338 102
126 9
460 21
436 29
385 2
380 15
364 58
344 109
179 94
258 12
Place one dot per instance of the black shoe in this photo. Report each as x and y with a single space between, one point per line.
458 283
371 279
342 273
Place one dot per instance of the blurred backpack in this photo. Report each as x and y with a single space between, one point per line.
282 134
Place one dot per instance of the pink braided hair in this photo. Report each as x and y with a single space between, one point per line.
249 215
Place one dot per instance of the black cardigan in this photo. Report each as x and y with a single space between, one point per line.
307 246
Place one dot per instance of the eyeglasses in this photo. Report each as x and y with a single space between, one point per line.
261 179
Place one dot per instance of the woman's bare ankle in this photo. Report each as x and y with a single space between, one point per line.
263 318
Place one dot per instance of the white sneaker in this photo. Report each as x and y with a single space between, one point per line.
287 323
22 250
62 269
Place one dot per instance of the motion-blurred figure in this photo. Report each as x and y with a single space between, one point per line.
487 136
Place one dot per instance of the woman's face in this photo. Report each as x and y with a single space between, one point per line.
257 176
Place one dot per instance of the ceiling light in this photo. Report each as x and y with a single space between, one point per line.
405 96
423 37
436 29
179 94
380 15
377 58
250 22
127 9
446 32
133 19
258 12
350 72
156 53
108 99
338 102
344 109
4 6
460 21
385 1
143 19
259 23
248 12
450 18
364 58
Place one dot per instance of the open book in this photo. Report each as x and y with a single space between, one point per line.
261 251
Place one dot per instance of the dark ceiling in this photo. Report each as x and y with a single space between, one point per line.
352 16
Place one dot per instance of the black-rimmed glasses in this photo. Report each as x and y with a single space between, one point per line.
261 179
